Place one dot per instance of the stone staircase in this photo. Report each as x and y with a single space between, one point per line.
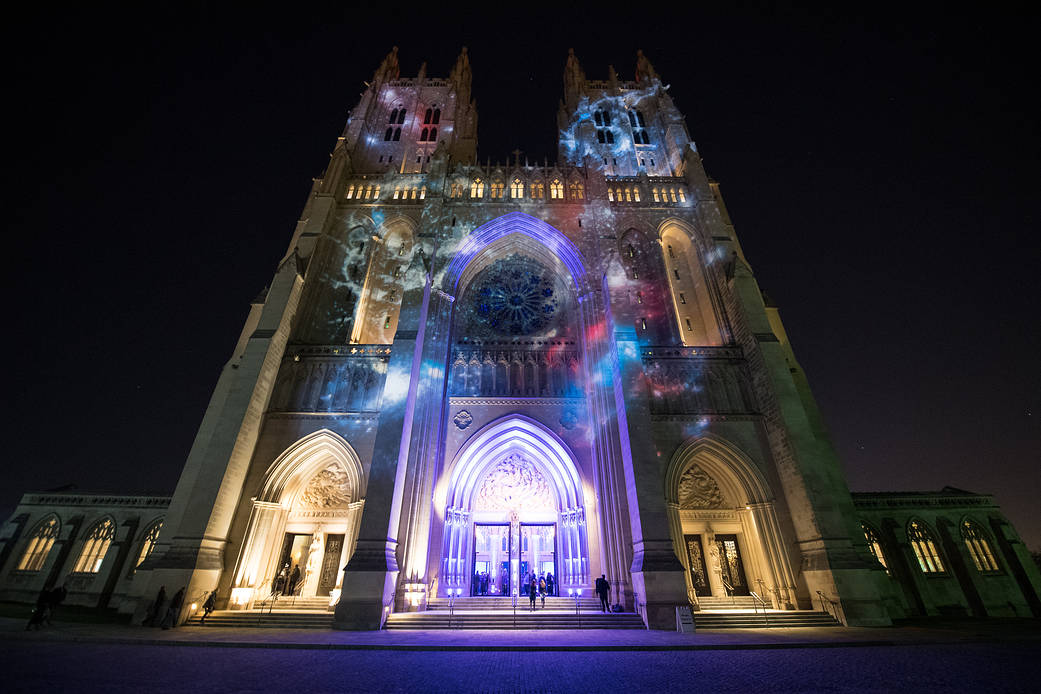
276 619
739 612
586 604
489 619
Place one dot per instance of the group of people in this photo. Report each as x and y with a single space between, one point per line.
286 581
539 587
485 584
163 614
46 604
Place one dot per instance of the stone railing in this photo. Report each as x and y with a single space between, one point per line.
331 378
697 380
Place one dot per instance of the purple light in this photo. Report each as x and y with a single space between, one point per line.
515 223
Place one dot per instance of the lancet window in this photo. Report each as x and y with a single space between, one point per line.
979 549
148 543
516 189
924 547
94 548
874 545
40 543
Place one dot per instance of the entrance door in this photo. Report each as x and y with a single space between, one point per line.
491 559
538 553
696 561
330 564
295 548
731 564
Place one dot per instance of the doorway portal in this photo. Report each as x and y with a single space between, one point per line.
491 562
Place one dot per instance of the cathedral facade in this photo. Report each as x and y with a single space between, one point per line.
465 374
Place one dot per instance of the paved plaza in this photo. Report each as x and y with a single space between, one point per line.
116 658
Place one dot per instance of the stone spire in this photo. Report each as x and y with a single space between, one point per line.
644 70
388 69
461 77
574 80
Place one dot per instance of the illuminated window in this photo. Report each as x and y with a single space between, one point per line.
636 195
40 543
672 193
397 192
457 190
979 548
497 189
643 324
386 322
423 193
924 548
397 271
875 545
376 192
683 196
151 537
537 189
477 188
578 191
636 274
95 547
556 190
631 250
689 327
639 297
683 299
350 192
628 195
654 193
610 194
516 189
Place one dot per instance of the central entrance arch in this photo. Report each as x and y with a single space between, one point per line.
513 503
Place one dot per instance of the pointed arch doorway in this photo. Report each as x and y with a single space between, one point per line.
514 508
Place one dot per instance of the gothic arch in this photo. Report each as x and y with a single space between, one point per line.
388 264
289 474
517 230
699 312
738 478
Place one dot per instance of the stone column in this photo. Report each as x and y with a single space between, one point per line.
657 573
371 574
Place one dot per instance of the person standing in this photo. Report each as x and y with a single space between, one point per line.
533 588
603 589
294 578
542 590
207 607
549 584
174 611
41 611
156 608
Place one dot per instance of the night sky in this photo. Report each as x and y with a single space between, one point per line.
881 171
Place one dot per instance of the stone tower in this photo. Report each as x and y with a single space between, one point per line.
464 374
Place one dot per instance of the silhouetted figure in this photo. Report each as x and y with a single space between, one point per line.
41 611
542 590
549 584
294 578
533 588
174 611
207 607
603 589
155 609
56 597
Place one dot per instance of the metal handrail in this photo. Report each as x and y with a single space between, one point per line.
729 590
756 601
834 605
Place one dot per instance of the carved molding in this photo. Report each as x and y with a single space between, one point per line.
330 488
515 483
463 419
698 490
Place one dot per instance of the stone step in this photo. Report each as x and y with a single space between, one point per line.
524 620
506 603
751 620
310 619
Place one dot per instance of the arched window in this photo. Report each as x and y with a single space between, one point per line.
598 118
639 119
578 191
979 548
40 543
556 190
423 135
433 134
924 548
397 134
875 545
610 137
636 195
393 116
497 188
428 116
389 134
401 116
600 137
95 547
516 189
537 189
148 542
437 116
477 188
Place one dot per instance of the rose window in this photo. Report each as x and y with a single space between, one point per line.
516 298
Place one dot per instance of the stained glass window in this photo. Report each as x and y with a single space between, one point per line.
874 545
979 548
924 548
40 543
95 547
516 297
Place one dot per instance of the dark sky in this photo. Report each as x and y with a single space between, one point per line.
881 170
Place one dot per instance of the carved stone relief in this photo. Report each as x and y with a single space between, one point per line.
698 490
463 419
330 488
514 484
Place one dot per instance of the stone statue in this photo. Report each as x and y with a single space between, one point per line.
314 564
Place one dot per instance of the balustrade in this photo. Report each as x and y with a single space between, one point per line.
340 378
482 371
702 380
